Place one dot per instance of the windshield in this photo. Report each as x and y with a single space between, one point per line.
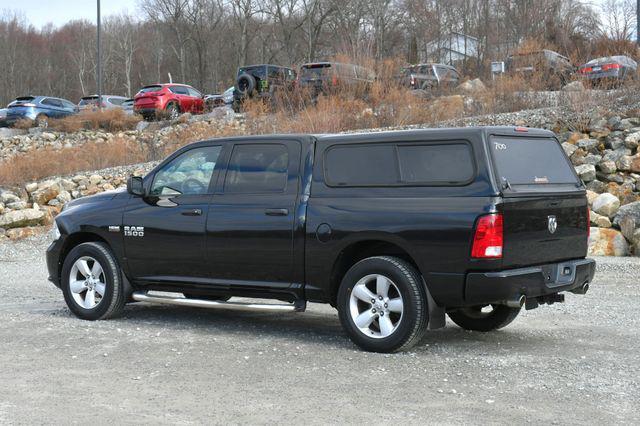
150 89
315 71
531 161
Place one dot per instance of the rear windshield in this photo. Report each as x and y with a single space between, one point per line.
150 89
89 100
524 161
315 71
397 164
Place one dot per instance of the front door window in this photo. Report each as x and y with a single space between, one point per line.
189 173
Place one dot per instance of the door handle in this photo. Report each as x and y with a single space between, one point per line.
276 212
192 212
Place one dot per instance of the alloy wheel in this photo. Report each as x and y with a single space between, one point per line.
87 282
376 306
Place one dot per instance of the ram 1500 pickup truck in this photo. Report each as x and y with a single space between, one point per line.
394 229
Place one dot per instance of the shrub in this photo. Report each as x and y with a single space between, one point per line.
110 120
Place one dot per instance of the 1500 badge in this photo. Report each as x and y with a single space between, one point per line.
134 231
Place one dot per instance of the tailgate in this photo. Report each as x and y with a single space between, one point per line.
544 229
544 204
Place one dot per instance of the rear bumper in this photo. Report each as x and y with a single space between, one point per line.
494 287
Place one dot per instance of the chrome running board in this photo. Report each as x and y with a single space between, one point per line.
141 296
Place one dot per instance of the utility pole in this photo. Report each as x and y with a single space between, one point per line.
99 61
638 22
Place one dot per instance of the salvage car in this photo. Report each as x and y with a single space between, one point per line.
39 109
394 229
108 102
329 77
429 76
609 71
168 100
261 80
551 68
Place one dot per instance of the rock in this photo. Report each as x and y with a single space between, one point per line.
6 133
95 179
607 242
588 144
635 241
592 159
30 187
631 209
64 197
575 137
575 86
632 140
472 86
17 205
47 190
634 163
569 148
597 186
628 226
606 204
142 125
8 197
599 221
624 163
21 218
607 166
587 172
20 233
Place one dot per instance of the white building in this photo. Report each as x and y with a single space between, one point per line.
451 49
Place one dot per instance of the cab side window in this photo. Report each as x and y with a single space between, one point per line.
257 168
189 173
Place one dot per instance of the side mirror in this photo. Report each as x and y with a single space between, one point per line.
135 186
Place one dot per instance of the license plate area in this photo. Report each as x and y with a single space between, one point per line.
559 275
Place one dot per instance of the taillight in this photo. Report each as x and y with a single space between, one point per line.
607 67
586 70
488 237
413 81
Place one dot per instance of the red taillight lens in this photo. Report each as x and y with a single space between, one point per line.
586 70
488 237
607 67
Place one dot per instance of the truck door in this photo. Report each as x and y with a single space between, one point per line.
250 223
164 232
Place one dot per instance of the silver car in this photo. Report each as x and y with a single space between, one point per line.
609 70
108 102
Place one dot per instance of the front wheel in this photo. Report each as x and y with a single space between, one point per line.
382 304
484 318
92 282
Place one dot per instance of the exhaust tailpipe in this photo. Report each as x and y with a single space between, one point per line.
582 289
517 302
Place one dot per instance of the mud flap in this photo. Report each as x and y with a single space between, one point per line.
437 317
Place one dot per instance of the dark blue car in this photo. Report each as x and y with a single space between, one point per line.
38 109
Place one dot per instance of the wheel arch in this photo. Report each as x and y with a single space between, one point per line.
357 250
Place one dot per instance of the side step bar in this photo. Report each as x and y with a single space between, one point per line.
141 296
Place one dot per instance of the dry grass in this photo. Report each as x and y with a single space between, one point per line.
39 164
110 120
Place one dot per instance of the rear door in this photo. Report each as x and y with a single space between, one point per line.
544 204
197 101
250 222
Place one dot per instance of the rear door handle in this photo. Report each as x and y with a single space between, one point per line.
276 212
192 212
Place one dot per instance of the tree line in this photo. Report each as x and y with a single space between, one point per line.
202 42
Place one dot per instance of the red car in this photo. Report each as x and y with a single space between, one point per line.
168 100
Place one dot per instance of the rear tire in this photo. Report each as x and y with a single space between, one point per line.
92 283
382 304
42 121
172 111
473 318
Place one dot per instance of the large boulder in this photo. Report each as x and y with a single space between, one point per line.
587 172
634 165
22 218
47 191
599 221
606 204
628 226
7 197
632 210
472 86
607 166
632 140
574 86
607 242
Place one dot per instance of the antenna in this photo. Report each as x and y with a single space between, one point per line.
171 78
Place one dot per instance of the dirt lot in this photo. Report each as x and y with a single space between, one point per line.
571 363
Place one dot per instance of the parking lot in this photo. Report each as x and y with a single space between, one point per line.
571 363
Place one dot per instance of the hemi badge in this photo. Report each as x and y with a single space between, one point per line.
114 229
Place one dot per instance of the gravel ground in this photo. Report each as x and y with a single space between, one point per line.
571 363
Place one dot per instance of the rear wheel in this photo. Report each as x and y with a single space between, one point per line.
382 304
42 121
172 111
484 318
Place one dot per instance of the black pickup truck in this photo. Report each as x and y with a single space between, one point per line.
394 229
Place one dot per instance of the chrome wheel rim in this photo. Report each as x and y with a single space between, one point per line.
173 112
376 306
87 282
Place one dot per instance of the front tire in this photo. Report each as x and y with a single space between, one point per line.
484 318
92 283
382 304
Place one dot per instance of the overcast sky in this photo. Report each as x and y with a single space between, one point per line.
58 12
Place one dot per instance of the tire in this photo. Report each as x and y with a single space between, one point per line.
246 84
206 297
77 295
172 111
406 318
474 319
42 121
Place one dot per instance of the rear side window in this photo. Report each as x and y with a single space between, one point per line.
179 90
399 164
52 102
259 168
524 161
